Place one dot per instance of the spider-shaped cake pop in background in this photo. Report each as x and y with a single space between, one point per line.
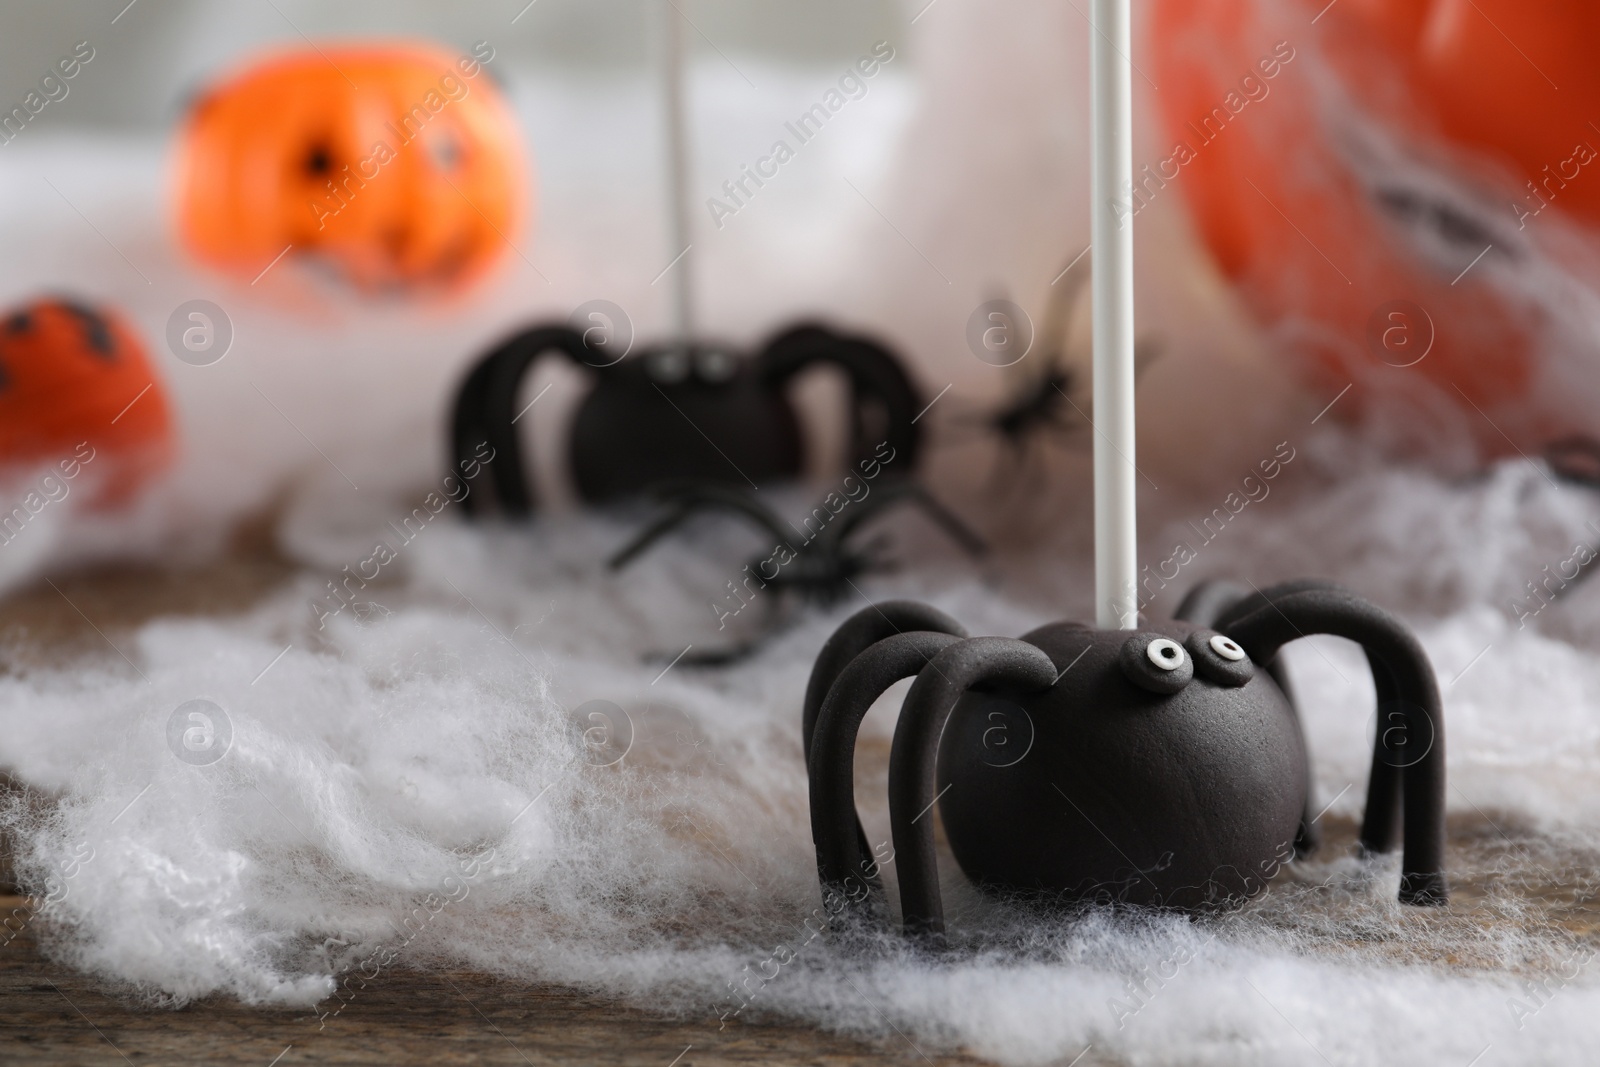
1157 767
681 412
816 563
686 409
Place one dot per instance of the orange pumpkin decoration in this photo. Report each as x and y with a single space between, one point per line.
76 388
399 163
1334 252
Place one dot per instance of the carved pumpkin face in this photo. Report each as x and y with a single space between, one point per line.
75 383
1354 265
400 164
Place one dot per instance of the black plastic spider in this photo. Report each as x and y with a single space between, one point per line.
1152 767
704 413
817 562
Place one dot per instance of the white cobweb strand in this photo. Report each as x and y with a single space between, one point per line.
374 756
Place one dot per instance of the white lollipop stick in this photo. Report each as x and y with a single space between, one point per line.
1111 162
677 167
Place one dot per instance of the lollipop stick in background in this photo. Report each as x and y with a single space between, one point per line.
676 161
1111 162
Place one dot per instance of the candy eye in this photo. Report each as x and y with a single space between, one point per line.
1226 647
671 366
1164 653
1156 663
1220 658
715 365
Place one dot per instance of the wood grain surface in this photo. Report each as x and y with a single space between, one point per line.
1504 875
54 1015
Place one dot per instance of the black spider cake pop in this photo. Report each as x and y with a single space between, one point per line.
1160 766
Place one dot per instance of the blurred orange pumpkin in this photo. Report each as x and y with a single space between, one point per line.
76 387
1315 219
399 163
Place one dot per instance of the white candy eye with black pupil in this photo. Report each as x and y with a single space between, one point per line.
670 367
1227 648
1165 653
715 366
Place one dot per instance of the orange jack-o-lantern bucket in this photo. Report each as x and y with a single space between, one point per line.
1370 175
401 164
78 397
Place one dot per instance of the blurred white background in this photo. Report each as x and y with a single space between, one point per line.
157 50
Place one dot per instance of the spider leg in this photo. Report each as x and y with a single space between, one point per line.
911 493
846 866
1380 820
1062 427
468 429
773 623
854 636
659 527
724 656
1204 605
995 661
974 421
875 554
857 634
1407 692
944 518
874 372
967 416
1209 600
1024 493
1010 454
1031 489
683 501
484 413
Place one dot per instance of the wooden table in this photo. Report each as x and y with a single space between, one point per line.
54 1015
